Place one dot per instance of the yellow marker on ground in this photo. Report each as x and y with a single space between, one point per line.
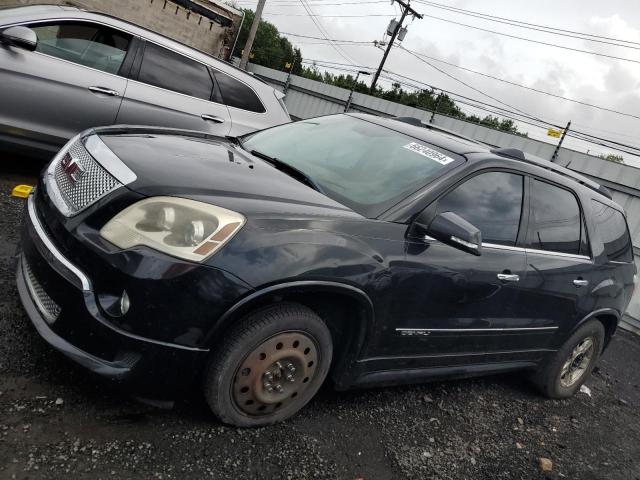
21 191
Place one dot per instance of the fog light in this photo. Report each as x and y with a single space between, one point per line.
115 305
124 303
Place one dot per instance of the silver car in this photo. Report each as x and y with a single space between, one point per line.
63 70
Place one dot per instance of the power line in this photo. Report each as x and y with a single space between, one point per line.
460 81
549 44
538 28
522 86
295 3
326 39
324 33
463 100
513 21
327 16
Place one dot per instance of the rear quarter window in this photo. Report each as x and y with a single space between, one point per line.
614 233
237 94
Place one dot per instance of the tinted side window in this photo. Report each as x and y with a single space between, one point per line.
556 222
613 231
237 94
166 69
87 44
490 201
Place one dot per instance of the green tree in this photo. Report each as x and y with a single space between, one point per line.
270 49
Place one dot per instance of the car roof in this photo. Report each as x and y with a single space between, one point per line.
56 12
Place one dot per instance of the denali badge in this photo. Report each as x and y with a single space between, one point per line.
72 168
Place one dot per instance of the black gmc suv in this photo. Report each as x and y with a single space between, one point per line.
370 250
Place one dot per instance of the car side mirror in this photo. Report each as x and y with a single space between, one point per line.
21 37
453 230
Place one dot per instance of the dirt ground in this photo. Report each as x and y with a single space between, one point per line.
56 421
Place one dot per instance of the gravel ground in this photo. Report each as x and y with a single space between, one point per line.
56 421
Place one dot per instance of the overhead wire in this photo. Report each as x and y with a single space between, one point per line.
513 22
531 40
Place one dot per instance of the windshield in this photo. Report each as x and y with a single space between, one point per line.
360 164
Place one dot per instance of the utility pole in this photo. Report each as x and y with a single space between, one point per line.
557 150
252 34
353 87
286 84
435 110
406 9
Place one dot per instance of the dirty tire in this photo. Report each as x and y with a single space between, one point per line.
268 366
553 380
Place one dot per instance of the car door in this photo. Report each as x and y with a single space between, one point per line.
559 272
72 81
172 90
452 307
247 111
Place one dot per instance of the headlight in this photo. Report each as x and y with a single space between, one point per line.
177 226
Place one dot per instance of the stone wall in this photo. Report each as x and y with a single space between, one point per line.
165 17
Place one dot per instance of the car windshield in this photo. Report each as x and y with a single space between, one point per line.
360 164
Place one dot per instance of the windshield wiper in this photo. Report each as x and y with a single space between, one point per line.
288 169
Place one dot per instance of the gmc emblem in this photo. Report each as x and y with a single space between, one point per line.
72 168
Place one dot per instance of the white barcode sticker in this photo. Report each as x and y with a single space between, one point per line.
429 153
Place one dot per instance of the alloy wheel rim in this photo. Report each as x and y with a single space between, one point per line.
578 362
275 374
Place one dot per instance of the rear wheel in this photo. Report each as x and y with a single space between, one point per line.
570 366
269 366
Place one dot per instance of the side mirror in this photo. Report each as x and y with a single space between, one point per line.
453 230
21 37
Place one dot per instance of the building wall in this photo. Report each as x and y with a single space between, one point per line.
164 17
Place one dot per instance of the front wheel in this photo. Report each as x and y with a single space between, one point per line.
570 366
268 366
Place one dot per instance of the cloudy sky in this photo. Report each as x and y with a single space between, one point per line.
610 83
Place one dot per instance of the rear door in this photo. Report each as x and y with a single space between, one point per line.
72 81
559 265
247 111
169 89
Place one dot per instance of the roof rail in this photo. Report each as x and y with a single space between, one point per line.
517 154
416 122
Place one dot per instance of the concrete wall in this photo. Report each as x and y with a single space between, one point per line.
164 17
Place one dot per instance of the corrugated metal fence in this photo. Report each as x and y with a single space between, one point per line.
309 98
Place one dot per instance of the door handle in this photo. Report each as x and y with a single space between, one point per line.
579 282
105 91
508 277
212 118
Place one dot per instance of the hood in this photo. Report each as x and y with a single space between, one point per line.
215 170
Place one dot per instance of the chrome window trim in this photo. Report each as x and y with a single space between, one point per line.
497 246
495 329
84 281
86 20
557 254
109 160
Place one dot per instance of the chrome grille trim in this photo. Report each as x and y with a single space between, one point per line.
72 197
49 309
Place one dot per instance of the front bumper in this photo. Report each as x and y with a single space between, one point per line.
59 299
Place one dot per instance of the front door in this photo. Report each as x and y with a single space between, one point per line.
70 83
451 307
173 90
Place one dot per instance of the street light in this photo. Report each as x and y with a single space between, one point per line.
353 87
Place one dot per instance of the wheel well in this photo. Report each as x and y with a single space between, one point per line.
347 316
610 324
